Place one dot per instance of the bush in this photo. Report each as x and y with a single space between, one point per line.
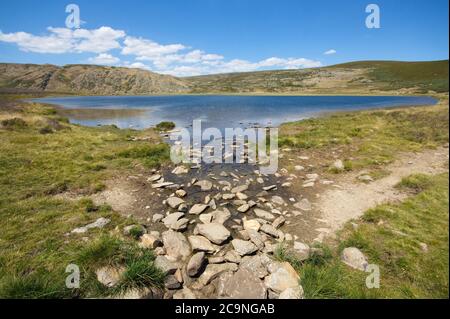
165 126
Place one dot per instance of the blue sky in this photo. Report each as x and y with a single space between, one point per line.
211 36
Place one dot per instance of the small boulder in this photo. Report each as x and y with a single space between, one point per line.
353 257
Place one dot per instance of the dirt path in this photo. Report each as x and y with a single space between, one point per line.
353 198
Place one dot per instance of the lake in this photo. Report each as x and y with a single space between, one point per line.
219 111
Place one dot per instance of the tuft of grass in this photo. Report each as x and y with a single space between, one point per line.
165 126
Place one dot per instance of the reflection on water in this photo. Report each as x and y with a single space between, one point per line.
215 111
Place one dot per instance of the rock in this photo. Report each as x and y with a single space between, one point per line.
353 257
180 224
183 208
205 218
256 238
269 230
143 293
244 285
251 224
277 200
184 293
304 204
292 293
200 243
365 178
157 218
196 264
216 260
299 168
109 276
99 223
239 189
278 222
263 214
149 241
244 247
301 250
198 209
180 192
171 282
232 256
171 219
287 184
269 188
154 178
176 244
180 170
312 177
215 232
260 180
254 264
338 165
241 196
282 278
220 216
167 266
228 196
162 184
213 270
204 185
308 185
243 208
174 202
423 247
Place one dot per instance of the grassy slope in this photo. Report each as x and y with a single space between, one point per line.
394 245
34 167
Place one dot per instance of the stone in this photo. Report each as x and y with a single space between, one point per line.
277 200
301 250
228 196
365 178
149 241
241 196
299 168
244 247
220 216
282 278
232 256
141 293
312 176
162 184
287 184
204 185
304 205
269 188
180 170
205 218
200 243
251 224
196 264
278 222
423 247
171 282
215 232
292 293
180 224
243 284
254 264
198 209
176 245
99 223
338 165
263 214
308 185
269 230
166 265
212 271
109 276
256 238
171 219
354 258
157 218
154 178
184 293
180 193
174 202
216 260
239 189
243 208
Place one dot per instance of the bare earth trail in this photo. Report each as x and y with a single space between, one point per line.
339 205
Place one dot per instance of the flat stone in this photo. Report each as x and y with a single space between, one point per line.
200 243
166 265
282 278
243 208
256 238
184 293
251 224
278 222
196 264
180 170
269 230
353 257
244 247
263 214
239 189
162 184
269 188
292 293
157 218
180 193
254 264
99 223
277 200
154 178
301 250
206 218
299 168
176 245
180 224
232 256
109 276
304 205
244 285
171 282
174 202
241 196
220 216
171 219
198 209
149 241
204 185
215 232
212 271
228 196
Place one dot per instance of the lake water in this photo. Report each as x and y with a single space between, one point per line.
140 112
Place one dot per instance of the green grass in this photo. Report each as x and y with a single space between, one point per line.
371 138
34 168
165 126
406 270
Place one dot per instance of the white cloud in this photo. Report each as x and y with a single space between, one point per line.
63 40
329 52
104 58
147 49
